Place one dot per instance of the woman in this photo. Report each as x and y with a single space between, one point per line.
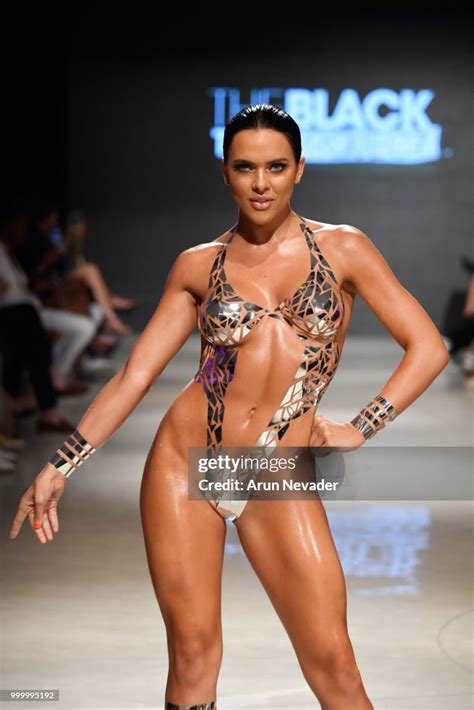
78 267
268 365
55 276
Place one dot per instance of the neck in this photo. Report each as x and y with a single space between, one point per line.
275 230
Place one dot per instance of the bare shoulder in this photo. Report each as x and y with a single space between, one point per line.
345 247
341 236
357 256
357 248
191 267
201 254
208 247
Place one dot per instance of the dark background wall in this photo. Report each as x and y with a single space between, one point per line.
118 116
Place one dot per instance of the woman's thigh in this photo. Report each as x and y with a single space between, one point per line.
184 542
290 546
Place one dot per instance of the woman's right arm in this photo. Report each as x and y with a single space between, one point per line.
166 332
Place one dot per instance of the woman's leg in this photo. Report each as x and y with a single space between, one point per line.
184 542
92 276
75 332
291 548
24 343
121 303
96 313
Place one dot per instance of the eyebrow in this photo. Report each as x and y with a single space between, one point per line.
249 162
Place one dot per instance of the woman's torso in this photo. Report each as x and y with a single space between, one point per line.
263 367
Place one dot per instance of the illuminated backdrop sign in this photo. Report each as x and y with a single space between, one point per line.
385 126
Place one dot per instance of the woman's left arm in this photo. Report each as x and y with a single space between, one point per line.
367 273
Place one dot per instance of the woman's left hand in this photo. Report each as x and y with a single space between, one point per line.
334 436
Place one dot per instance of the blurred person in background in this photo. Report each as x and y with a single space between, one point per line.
461 335
74 236
55 276
8 442
71 331
24 342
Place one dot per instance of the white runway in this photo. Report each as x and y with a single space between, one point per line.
80 615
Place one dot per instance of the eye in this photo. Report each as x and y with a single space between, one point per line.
275 167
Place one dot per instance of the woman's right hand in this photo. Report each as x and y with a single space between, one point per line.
40 503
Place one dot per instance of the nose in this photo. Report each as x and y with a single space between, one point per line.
260 182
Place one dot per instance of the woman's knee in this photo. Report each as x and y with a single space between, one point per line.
334 667
195 654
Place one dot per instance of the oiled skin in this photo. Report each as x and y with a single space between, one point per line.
267 358
288 543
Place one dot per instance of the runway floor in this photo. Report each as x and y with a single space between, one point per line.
79 615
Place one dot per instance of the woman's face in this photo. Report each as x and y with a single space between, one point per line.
261 172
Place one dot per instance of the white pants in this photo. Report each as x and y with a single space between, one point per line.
74 334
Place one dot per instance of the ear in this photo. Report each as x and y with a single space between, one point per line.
224 171
300 171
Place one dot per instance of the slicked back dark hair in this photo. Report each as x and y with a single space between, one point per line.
263 116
